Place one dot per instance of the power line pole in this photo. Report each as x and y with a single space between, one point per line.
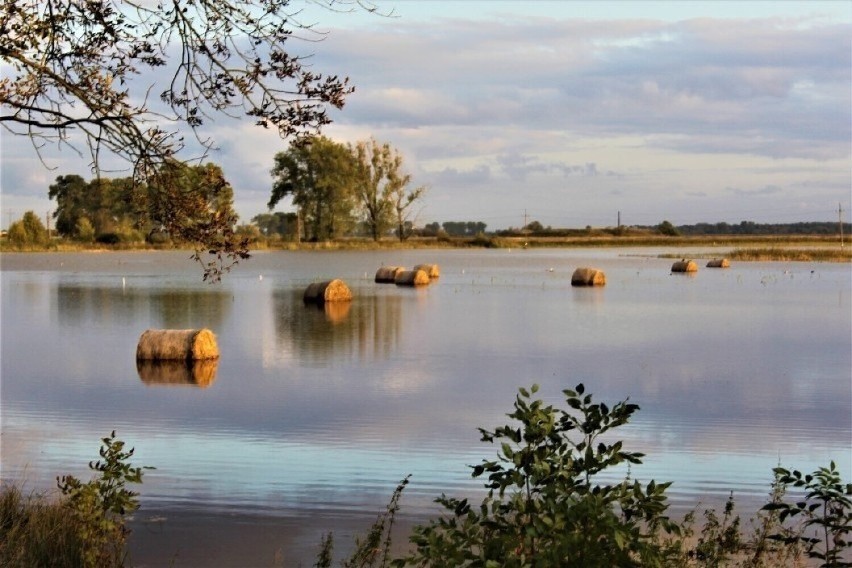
840 219
525 219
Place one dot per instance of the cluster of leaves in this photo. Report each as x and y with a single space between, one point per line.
99 506
334 186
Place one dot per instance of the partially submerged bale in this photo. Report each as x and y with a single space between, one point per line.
431 270
719 263
387 274
588 277
177 345
332 291
412 278
200 373
685 266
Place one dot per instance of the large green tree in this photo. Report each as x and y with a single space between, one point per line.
317 174
384 197
133 80
104 203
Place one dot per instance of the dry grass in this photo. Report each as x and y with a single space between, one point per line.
36 531
177 344
588 277
794 254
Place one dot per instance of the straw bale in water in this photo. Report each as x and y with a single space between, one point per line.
588 277
332 291
431 270
201 373
177 344
719 263
387 274
412 278
685 266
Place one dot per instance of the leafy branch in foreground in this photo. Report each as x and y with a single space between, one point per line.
826 510
545 506
98 507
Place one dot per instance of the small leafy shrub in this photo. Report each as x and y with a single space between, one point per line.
98 507
545 506
825 511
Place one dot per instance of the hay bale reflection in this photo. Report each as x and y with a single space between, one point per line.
200 373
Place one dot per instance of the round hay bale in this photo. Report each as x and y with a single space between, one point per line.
177 345
332 291
719 263
201 373
685 266
387 274
431 270
588 277
412 278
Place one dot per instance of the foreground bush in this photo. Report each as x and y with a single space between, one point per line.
84 528
547 506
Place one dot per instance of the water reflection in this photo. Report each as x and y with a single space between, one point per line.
177 373
367 328
80 305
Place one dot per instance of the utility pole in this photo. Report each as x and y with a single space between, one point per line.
525 219
619 220
840 219
47 222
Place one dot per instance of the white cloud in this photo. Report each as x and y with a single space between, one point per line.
666 107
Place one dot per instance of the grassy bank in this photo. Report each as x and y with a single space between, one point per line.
742 248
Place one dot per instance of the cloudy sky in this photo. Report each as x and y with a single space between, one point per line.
571 112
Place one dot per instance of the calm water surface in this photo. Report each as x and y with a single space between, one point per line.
314 415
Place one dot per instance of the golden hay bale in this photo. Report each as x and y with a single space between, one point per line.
332 291
588 277
431 270
177 344
199 373
719 263
412 278
684 266
387 274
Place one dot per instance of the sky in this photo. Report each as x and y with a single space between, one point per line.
568 113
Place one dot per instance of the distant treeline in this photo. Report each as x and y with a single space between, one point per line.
752 228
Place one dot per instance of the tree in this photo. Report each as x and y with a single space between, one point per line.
277 224
194 204
28 231
318 175
666 228
382 188
126 78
